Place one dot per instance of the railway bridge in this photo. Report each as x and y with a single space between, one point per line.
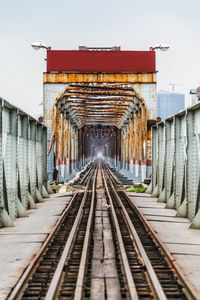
103 100
96 239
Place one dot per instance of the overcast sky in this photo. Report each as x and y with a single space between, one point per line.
65 24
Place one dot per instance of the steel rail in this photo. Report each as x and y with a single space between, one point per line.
20 286
114 176
152 275
172 261
18 289
80 280
51 293
127 270
85 176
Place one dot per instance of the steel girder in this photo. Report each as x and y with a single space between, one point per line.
23 162
176 163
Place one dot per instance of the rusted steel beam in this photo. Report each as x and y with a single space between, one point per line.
92 121
99 77
100 117
98 86
105 123
108 106
112 86
99 121
95 111
101 91
94 108
97 98
99 114
80 113
91 115
95 104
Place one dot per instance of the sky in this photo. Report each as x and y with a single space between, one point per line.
65 24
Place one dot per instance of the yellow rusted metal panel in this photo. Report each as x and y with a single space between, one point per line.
99 77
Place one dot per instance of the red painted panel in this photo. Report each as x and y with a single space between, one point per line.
100 61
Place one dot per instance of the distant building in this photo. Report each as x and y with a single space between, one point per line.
169 104
198 93
193 93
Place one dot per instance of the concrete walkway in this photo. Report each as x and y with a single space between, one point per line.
19 244
183 243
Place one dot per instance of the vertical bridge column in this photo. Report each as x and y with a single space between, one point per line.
10 132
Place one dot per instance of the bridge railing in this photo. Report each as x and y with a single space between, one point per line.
176 163
23 163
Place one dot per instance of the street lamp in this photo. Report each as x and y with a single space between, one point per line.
162 47
38 45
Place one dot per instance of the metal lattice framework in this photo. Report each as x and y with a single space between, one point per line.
176 163
23 163
115 107
118 102
99 103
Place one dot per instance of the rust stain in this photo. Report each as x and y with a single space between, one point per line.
116 107
85 102
99 77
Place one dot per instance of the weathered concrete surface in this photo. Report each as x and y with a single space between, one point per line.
182 242
19 244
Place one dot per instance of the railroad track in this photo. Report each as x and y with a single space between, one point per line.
35 281
101 248
163 281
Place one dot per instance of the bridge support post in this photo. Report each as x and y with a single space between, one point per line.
49 189
196 221
6 220
182 210
32 158
171 202
161 155
31 202
149 189
154 159
169 167
192 177
161 197
23 159
44 158
180 165
21 212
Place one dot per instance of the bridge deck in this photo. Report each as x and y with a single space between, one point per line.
22 242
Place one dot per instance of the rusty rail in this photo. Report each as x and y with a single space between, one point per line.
129 277
159 244
16 293
152 276
59 270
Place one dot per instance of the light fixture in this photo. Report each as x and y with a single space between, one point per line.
162 47
38 45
